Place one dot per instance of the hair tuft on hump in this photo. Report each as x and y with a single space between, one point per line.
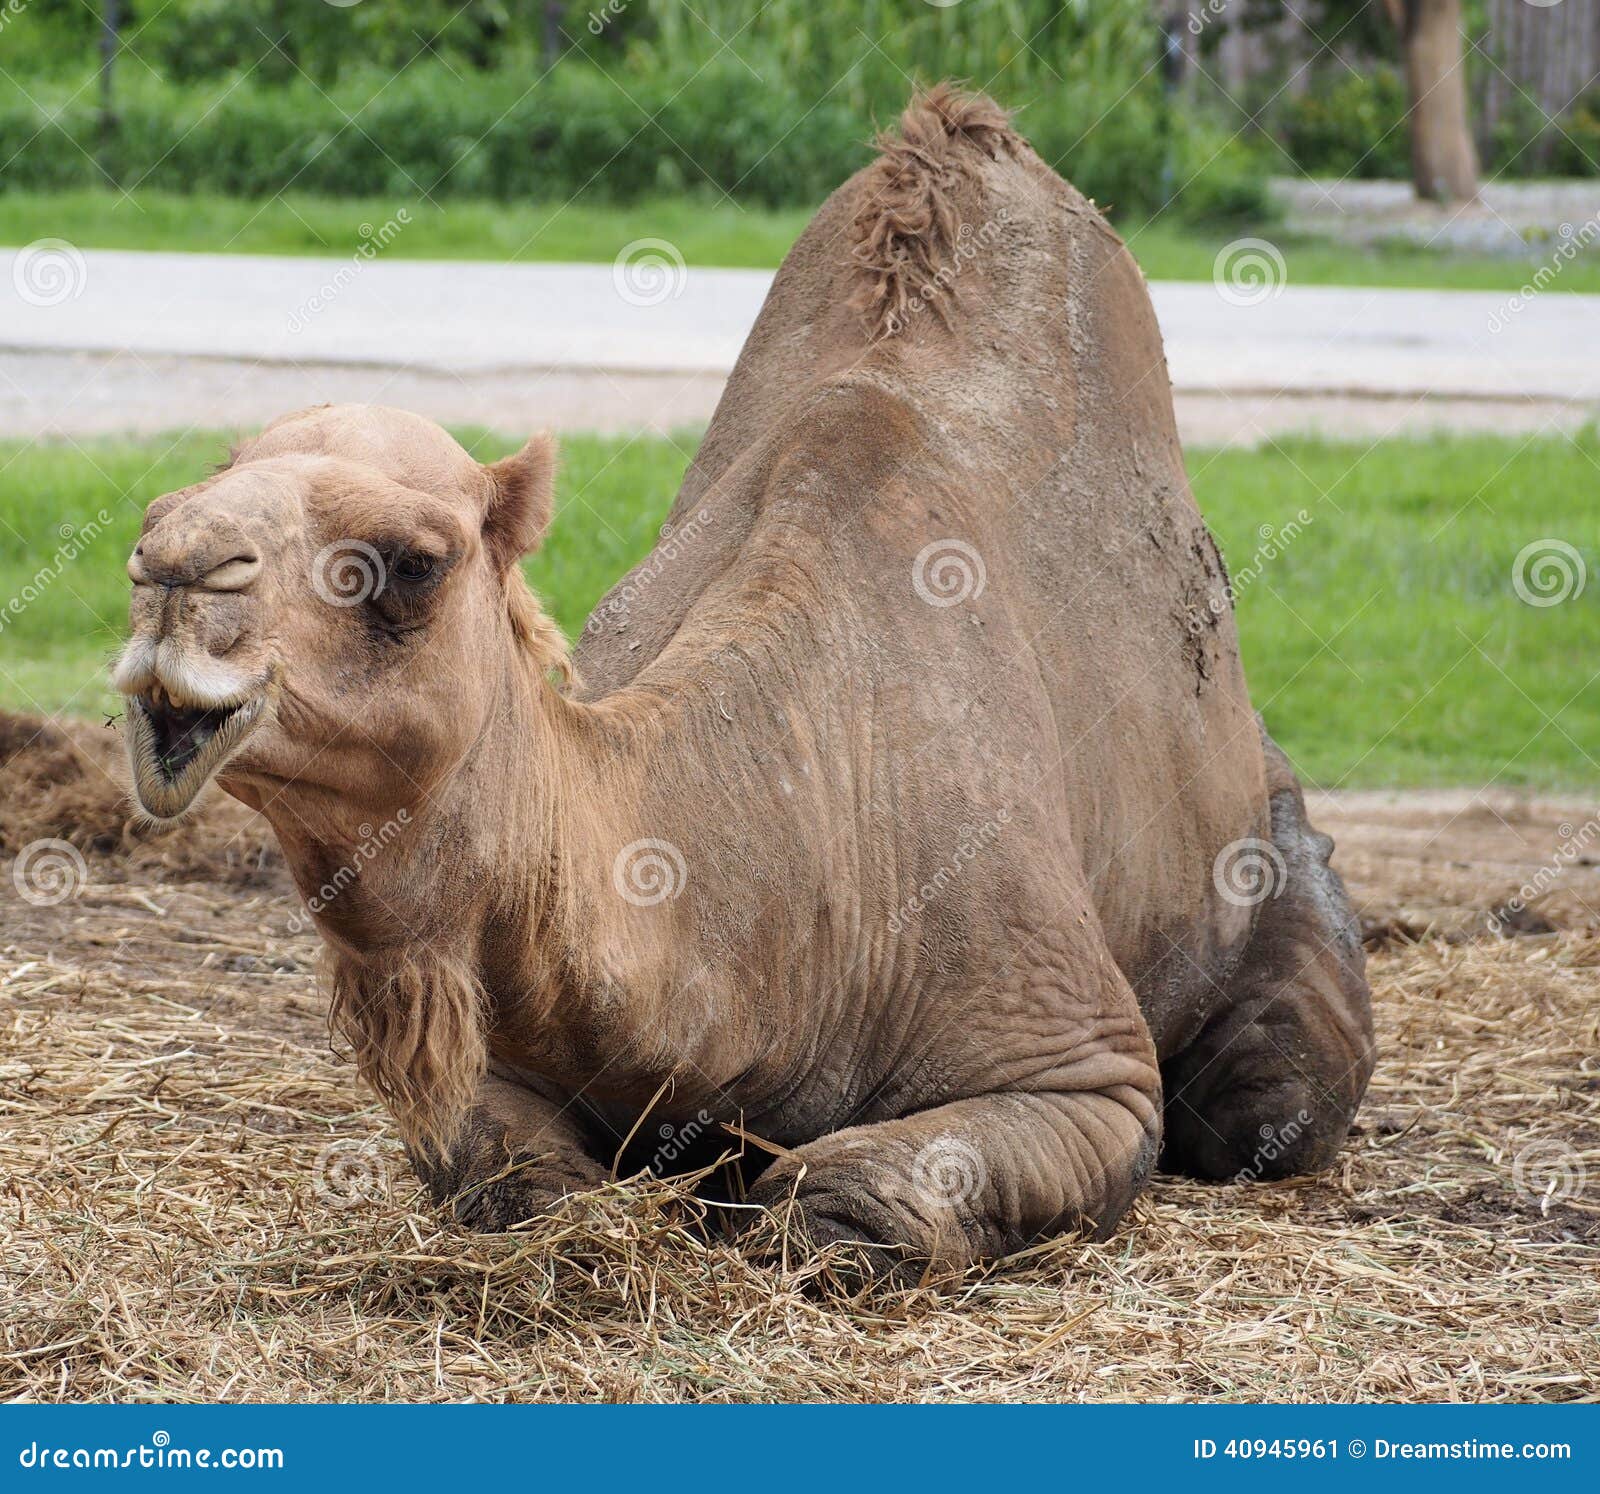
906 230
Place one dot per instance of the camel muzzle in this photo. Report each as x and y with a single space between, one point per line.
186 718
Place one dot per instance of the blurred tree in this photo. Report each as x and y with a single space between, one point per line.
1444 159
110 44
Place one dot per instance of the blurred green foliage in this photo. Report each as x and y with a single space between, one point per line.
516 98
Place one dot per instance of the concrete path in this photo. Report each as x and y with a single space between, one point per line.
98 341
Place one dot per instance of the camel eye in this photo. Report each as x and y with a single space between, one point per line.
414 567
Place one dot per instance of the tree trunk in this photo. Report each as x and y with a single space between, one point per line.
1444 160
106 120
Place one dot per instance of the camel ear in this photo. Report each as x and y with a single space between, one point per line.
521 502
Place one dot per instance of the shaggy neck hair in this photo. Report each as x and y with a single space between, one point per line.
412 1012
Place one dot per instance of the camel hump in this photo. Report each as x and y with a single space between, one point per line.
906 231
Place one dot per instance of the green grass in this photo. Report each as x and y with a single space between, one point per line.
1385 642
1169 251
706 232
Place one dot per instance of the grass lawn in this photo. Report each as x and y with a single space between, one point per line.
1385 639
705 232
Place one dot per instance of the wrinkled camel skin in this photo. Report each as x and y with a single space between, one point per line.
936 896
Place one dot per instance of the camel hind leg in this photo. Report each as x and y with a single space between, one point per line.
1270 1086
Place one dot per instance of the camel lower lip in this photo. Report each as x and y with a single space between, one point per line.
176 750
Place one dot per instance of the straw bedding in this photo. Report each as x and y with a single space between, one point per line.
200 1202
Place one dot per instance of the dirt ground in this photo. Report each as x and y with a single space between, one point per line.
199 1201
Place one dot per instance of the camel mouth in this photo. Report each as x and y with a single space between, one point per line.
177 747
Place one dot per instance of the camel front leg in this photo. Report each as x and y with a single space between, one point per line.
517 1157
985 1176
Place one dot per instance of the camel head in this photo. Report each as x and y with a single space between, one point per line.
333 611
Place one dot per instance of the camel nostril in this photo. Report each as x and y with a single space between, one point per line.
234 574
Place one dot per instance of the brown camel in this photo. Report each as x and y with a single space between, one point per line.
910 814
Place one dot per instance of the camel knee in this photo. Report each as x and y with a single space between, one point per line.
971 1180
1260 1131
515 1158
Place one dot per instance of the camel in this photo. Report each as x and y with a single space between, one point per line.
904 810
